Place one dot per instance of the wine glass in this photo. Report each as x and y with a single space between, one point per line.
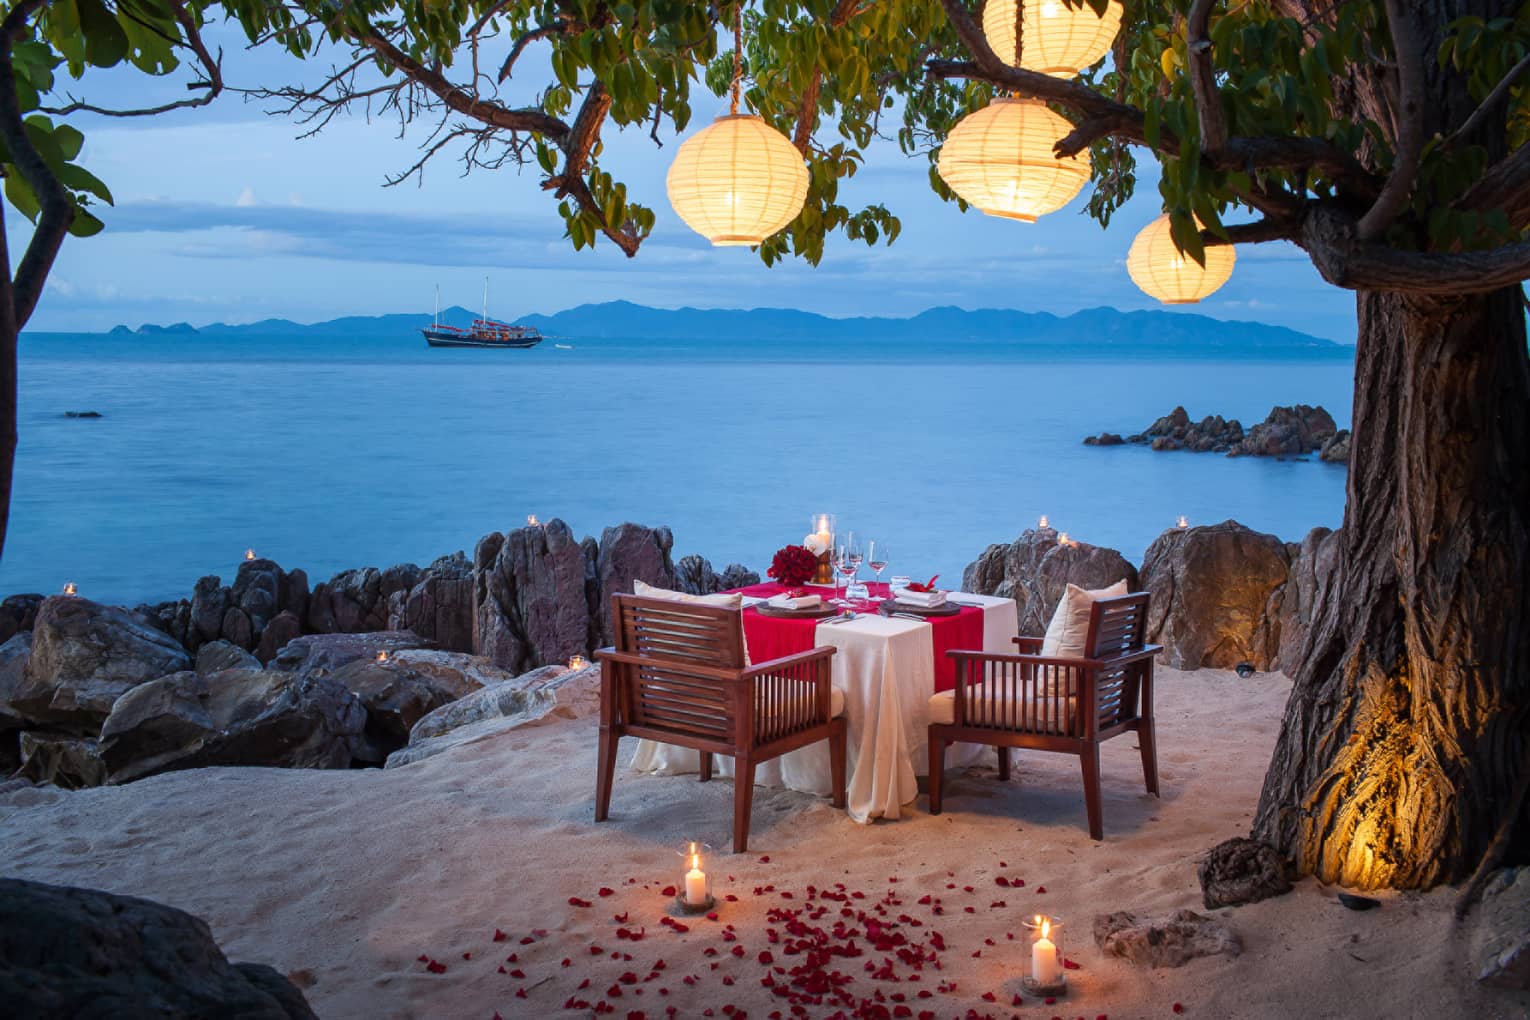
845 565
876 558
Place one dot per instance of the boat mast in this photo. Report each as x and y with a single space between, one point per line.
436 322
486 298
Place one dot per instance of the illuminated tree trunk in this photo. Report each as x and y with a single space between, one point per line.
1405 738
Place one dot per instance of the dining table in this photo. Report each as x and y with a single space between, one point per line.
888 667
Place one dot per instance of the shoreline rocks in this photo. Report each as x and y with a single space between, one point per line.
1294 431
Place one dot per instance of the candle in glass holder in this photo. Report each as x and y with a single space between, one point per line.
1046 962
70 589
695 885
532 522
1063 539
1043 522
1182 522
576 662
382 656
249 554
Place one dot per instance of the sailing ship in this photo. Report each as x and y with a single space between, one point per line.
484 332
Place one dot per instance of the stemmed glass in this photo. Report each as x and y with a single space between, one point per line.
847 561
876 558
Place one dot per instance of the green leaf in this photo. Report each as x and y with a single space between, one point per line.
85 224
78 178
105 41
20 194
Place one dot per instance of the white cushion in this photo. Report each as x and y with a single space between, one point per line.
1069 630
718 601
1047 714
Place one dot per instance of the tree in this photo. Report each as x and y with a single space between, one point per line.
1387 139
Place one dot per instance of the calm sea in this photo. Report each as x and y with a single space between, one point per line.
328 454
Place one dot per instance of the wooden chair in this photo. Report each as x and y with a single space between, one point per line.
1047 704
677 675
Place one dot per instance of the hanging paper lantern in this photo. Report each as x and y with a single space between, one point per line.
1166 273
1057 39
1000 160
737 181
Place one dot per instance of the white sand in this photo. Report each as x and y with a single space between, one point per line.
343 879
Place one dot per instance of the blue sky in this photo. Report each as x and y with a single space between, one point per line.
223 214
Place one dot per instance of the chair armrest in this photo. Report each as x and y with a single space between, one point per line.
1031 645
786 662
677 665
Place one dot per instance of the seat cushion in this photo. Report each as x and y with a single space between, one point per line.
1047 714
836 703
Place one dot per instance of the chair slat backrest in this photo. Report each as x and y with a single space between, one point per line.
1117 626
674 639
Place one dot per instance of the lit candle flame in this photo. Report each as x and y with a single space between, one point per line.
1046 927
1183 523
1043 522
577 662
532 522
1063 539
249 554
69 588
695 862
382 656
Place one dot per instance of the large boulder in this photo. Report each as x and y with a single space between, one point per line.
1164 941
1242 870
356 600
209 603
216 656
530 601
236 717
61 759
283 628
694 575
84 657
174 618
1335 449
1500 941
324 653
498 709
1312 572
396 695
82 953
1036 568
628 552
1212 588
13 666
17 614
439 605
1289 432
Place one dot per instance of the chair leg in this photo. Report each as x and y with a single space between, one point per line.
1089 758
1003 764
743 802
837 763
1148 742
706 766
937 771
605 773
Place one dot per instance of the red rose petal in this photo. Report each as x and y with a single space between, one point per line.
436 967
1069 965
1179 1008
499 936
575 901
603 891
1041 888
765 859
668 890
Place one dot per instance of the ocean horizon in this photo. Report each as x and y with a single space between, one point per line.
328 453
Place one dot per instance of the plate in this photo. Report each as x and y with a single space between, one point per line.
949 609
815 613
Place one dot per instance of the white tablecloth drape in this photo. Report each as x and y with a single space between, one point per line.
886 667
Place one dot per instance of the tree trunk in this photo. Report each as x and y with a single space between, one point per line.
1406 734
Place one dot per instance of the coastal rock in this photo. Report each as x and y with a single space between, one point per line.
1104 439
1164 941
1212 587
530 601
84 657
1500 941
439 605
694 576
174 618
82 953
60 759
1335 449
216 656
396 696
238 629
1242 870
1287 432
1036 569
736 575
236 717
284 627
257 592
499 709
628 552
13 665
355 601
209 601
17 614
318 654
1312 571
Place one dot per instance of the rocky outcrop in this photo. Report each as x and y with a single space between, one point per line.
1287 432
1500 939
396 695
497 709
319 654
84 657
531 596
216 656
261 592
1242 870
174 618
13 665
285 627
17 614
236 717
1308 580
354 601
83 953
1213 587
628 552
1036 569
694 576
440 604
1164 941
61 759
1335 449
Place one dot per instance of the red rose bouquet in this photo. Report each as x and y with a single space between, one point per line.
793 565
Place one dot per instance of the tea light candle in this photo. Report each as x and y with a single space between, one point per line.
695 883
1046 964
577 662
1182 522
532 522
1063 539
249 554
382 656
70 589
1043 522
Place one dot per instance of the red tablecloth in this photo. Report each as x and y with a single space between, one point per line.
771 637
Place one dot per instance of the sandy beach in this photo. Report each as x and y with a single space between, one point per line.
381 893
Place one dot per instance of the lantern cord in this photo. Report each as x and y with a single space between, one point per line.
1019 36
738 54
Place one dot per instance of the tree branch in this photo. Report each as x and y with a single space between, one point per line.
807 112
1270 228
1398 189
570 181
1332 240
526 40
1506 186
55 201
1489 103
1203 79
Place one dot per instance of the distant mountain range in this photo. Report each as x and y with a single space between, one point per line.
628 321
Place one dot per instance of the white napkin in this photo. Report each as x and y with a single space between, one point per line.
925 599
804 602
